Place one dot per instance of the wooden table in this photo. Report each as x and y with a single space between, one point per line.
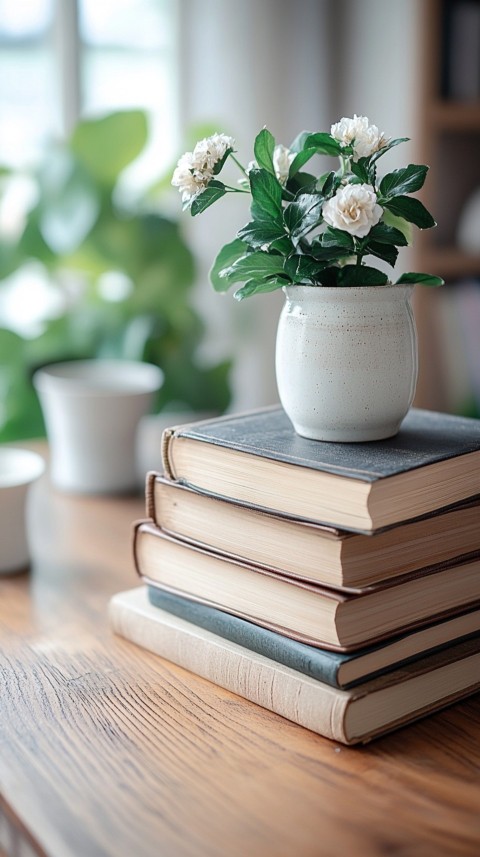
107 750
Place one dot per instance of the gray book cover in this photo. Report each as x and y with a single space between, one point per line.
425 437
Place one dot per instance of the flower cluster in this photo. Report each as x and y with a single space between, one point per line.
364 139
307 229
195 170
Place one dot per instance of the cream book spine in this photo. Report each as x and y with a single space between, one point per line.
349 716
284 691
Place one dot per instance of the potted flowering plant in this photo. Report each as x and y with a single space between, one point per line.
310 235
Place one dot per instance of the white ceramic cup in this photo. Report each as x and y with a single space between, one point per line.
92 409
18 469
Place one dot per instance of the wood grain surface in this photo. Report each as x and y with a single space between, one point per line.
106 750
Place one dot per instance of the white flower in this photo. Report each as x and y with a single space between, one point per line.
353 209
208 152
195 169
189 181
282 158
366 139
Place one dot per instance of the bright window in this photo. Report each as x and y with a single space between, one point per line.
101 55
28 113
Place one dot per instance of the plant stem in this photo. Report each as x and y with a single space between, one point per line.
235 189
239 165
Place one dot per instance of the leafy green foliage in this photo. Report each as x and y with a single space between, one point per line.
263 149
104 147
349 276
214 191
303 214
337 237
406 180
266 196
255 266
287 240
399 223
412 210
323 144
260 233
301 268
225 258
256 287
76 232
387 235
417 279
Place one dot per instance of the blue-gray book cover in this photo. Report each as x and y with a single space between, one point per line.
333 668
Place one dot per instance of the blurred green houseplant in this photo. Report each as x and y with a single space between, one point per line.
83 236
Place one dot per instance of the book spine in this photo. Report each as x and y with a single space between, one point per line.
165 450
298 698
317 663
150 495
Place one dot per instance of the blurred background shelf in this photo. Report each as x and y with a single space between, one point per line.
448 113
454 115
450 262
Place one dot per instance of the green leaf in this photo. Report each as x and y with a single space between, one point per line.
361 275
299 142
263 148
420 279
330 184
331 253
259 233
406 180
301 181
337 237
360 170
266 196
323 144
385 149
229 254
107 145
398 223
300 160
220 164
410 209
283 246
301 268
387 252
207 197
387 235
69 203
329 276
255 266
303 214
255 287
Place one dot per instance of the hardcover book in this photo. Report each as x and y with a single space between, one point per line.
337 669
258 459
350 716
305 611
321 554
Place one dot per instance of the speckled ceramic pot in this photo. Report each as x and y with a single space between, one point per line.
346 360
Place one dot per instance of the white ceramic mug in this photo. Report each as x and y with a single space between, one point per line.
19 468
92 409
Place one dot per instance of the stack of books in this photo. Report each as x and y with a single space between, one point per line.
335 584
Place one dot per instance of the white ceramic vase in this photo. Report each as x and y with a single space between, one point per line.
346 360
